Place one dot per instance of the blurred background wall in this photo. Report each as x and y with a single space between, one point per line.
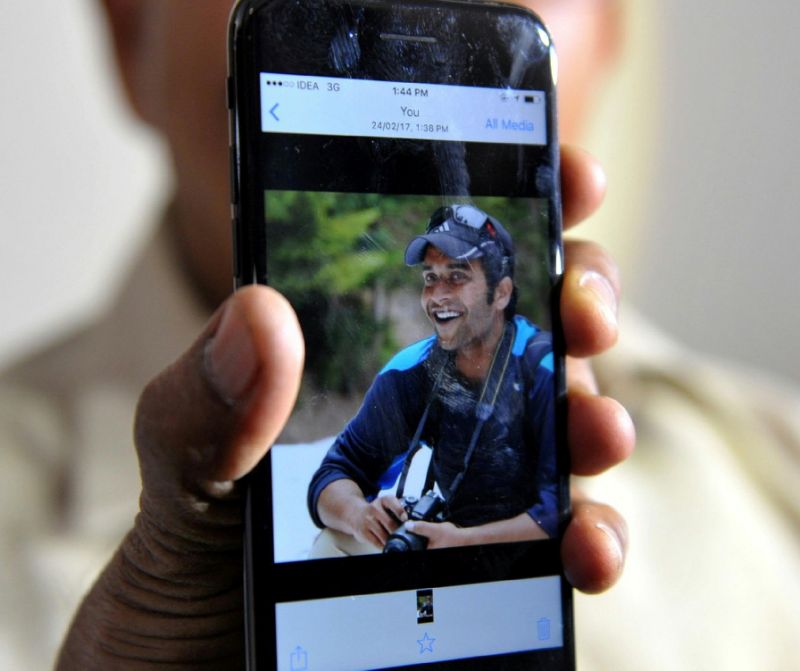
719 261
78 178
714 187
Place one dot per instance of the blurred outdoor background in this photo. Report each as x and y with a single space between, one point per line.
710 106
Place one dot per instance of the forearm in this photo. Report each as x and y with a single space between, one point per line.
339 504
519 528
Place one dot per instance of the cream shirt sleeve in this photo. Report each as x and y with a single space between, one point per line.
67 495
69 479
711 498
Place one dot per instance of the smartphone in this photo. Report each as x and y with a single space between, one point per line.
395 174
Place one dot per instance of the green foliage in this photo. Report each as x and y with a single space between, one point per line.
331 254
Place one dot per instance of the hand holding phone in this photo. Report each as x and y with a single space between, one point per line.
202 590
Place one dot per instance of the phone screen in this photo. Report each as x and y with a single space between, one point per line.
397 181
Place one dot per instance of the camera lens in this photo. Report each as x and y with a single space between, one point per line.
397 544
403 540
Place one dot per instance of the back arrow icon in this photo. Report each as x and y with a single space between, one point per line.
272 112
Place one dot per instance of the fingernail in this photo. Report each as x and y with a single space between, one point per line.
602 290
616 542
410 526
218 489
230 357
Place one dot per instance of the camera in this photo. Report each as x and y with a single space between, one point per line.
430 508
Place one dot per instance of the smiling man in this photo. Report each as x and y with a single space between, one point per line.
493 460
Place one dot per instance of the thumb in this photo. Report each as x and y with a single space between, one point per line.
172 594
209 418
420 528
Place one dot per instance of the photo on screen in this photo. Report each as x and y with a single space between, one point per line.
428 392
424 606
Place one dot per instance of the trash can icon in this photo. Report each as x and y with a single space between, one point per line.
543 629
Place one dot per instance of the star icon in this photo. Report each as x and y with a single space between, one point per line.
425 643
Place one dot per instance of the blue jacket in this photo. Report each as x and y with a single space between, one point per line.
513 468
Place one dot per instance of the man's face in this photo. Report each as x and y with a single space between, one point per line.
455 299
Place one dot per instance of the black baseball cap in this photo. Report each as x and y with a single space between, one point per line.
460 232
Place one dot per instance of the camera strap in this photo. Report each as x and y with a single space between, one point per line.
414 445
483 411
486 403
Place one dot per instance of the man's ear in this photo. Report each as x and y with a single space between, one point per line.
502 293
127 26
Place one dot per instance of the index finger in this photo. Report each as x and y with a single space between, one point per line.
583 185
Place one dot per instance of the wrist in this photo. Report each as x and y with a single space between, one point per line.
469 535
356 509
